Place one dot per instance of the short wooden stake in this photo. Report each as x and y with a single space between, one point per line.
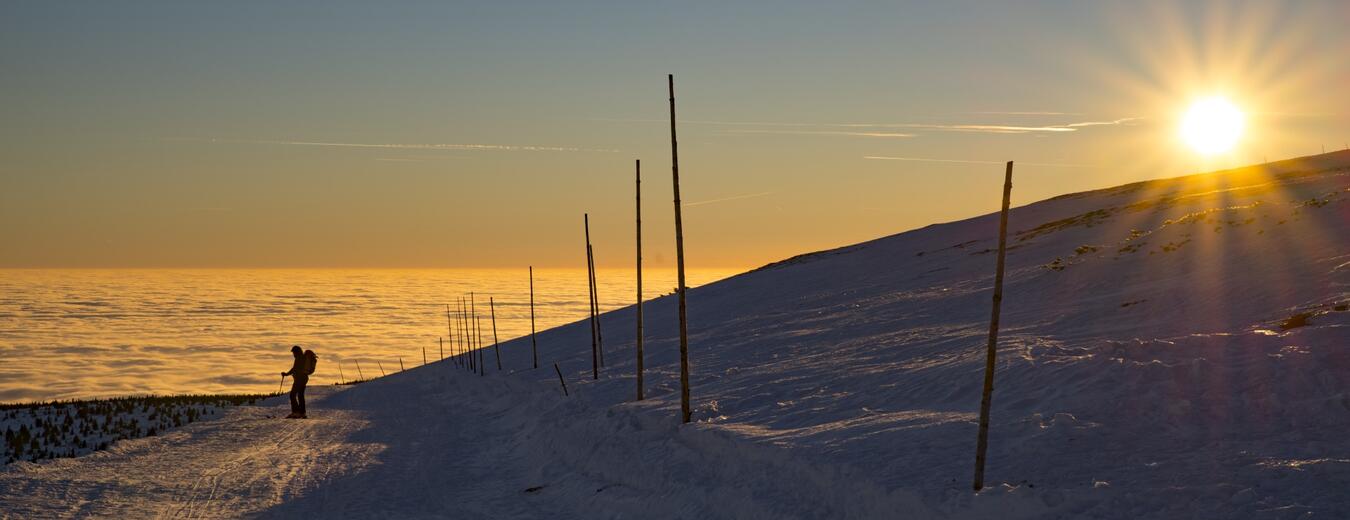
381 365
400 363
358 370
341 378
560 378
982 443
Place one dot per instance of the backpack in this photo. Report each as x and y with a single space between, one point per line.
311 360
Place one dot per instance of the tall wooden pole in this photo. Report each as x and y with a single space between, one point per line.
358 370
440 345
343 377
496 347
679 259
534 347
637 189
982 443
590 298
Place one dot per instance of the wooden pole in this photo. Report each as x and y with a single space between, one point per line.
478 334
449 332
468 338
560 378
590 297
440 344
400 363
496 347
358 370
341 378
595 308
381 365
478 326
424 355
463 336
637 189
679 259
534 347
982 444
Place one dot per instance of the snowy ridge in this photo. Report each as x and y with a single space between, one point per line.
1152 364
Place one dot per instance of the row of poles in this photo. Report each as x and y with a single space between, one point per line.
468 351
467 347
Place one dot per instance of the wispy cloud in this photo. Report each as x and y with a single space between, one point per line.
1023 113
861 128
967 161
407 146
821 132
725 199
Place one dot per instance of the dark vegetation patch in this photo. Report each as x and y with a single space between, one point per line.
1135 302
1085 249
1296 321
55 429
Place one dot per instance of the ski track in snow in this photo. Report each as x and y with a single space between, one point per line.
1142 373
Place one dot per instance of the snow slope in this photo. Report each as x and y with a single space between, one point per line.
1143 373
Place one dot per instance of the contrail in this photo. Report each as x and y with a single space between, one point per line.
724 199
965 161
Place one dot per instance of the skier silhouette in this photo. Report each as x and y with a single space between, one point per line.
299 372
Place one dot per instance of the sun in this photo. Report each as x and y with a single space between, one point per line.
1212 125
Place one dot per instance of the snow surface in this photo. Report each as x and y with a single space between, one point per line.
1145 371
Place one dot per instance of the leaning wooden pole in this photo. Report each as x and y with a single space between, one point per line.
982 444
679 258
595 310
381 365
590 298
478 327
534 347
560 378
478 333
496 347
467 338
637 189
454 348
440 346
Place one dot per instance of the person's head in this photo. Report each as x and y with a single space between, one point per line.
296 351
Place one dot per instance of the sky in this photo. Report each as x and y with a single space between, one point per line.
449 134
